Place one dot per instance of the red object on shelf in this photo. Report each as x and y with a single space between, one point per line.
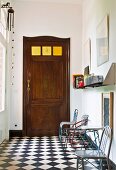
81 84
78 81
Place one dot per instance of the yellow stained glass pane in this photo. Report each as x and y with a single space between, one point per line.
36 50
57 51
46 50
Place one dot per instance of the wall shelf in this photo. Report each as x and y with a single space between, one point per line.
91 85
111 76
95 85
110 79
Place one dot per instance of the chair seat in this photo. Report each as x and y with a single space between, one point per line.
90 154
66 123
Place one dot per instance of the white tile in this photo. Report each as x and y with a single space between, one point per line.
17 157
2 162
20 150
28 167
32 150
31 157
3 158
45 157
12 167
45 161
45 153
18 154
61 166
45 146
30 162
58 156
73 160
32 153
45 166
15 162
60 161
45 149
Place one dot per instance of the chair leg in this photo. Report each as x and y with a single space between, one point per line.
108 164
82 164
100 164
77 163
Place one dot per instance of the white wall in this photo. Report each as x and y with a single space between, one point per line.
2 126
64 20
36 19
93 12
4 115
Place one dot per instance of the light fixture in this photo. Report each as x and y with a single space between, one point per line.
10 16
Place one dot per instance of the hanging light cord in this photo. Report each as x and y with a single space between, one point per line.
10 15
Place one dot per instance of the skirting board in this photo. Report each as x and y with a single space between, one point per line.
15 133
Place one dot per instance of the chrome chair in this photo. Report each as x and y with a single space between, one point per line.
76 134
62 124
102 153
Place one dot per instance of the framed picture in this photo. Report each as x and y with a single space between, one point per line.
87 54
102 41
107 109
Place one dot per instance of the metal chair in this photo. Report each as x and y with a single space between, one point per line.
74 132
102 153
76 135
62 124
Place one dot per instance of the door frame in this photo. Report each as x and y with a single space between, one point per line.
46 38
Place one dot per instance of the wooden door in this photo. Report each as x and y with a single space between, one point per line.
46 89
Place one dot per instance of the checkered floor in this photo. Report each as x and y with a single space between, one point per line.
37 153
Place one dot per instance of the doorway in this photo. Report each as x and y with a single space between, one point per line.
46 84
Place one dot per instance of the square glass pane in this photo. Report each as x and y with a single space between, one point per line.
36 50
57 51
46 50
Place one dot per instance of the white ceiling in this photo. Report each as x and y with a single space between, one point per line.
57 1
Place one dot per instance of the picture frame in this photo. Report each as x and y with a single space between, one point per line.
107 109
87 54
102 41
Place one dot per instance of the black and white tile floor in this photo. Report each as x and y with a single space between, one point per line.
38 153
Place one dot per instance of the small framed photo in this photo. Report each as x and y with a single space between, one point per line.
107 109
102 41
87 54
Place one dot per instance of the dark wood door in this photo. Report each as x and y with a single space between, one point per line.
46 91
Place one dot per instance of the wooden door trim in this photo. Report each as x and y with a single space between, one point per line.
48 39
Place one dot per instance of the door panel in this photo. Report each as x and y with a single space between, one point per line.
46 88
50 80
47 122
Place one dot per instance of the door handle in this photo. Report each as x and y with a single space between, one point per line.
28 90
28 84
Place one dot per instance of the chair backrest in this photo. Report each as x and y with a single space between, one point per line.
75 115
85 119
82 122
106 140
